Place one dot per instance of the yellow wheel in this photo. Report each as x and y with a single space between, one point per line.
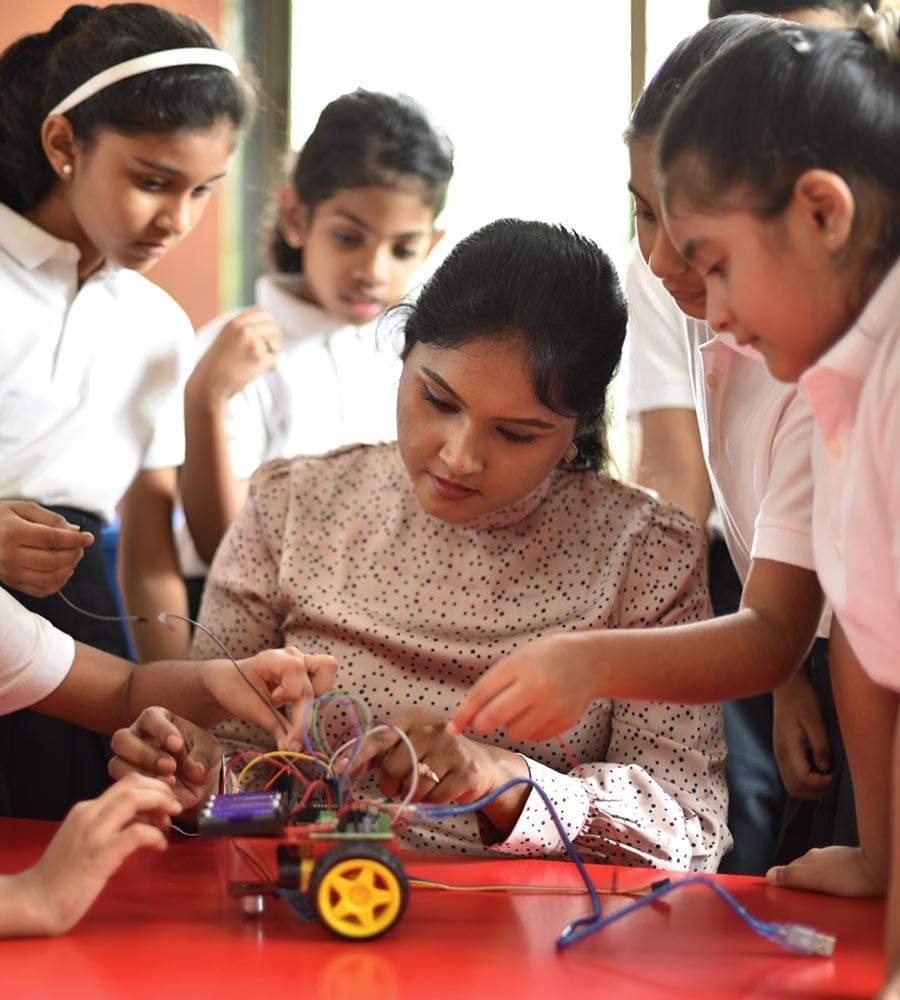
359 890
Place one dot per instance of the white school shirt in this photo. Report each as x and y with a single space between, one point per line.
333 384
854 391
91 378
35 657
755 431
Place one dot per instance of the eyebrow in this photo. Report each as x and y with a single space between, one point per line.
162 168
357 221
523 421
693 247
637 193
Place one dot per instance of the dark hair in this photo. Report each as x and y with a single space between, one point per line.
552 289
781 102
368 139
849 9
687 56
38 71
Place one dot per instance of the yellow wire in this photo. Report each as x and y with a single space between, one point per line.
276 755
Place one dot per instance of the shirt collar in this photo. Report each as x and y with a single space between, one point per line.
30 245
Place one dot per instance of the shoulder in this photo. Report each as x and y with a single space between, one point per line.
149 305
627 503
351 468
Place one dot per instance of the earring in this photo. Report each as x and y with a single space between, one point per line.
571 453
66 169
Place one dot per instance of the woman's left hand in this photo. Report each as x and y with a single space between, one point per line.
448 767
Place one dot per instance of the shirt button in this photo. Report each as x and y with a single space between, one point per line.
712 381
834 446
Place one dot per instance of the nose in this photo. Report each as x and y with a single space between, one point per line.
373 265
664 260
460 451
719 315
179 215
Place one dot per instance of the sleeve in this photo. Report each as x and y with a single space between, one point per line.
656 357
35 657
659 796
783 528
166 447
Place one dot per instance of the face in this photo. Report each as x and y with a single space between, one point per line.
473 437
361 248
818 17
130 199
681 281
769 282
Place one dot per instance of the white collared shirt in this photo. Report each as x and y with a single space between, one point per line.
91 378
854 391
35 657
755 431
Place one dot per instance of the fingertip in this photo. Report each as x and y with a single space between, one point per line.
774 876
453 729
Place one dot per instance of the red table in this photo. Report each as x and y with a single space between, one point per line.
166 926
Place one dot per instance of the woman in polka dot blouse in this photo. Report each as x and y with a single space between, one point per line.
420 563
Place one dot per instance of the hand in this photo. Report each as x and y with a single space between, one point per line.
287 676
537 692
891 989
246 346
94 839
798 732
837 870
172 749
39 550
448 767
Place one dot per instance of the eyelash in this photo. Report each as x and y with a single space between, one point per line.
444 407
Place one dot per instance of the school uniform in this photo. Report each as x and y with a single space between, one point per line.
854 393
91 392
333 384
756 437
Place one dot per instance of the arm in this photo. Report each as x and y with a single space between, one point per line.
670 460
543 688
149 576
868 717
104 693
800 731
94 839
247 346
39 549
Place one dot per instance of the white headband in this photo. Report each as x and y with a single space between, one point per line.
144 64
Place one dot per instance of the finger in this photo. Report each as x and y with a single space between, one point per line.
135 794
159 727
132 752
368 754
477 710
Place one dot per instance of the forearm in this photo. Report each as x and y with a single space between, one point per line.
20 910
670 460
210 494
182 686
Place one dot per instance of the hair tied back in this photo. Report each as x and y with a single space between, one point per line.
882 28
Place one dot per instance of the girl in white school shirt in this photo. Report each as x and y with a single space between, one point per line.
115 126
310 368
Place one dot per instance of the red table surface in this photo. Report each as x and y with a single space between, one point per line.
166 926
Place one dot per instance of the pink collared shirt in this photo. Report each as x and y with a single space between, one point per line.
854 392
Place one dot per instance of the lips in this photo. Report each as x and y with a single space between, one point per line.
448 490
362 305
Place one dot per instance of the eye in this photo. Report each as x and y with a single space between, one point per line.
643 215
515 437
437 402
203 191
154 184
344 238
405 252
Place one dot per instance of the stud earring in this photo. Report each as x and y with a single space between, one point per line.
571 453
66 169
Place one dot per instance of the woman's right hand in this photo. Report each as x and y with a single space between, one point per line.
39 549
245 347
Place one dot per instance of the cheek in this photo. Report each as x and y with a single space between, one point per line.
646 233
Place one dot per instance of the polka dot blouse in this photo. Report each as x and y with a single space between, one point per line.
335 555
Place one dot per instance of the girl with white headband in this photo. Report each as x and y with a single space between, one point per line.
115 127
